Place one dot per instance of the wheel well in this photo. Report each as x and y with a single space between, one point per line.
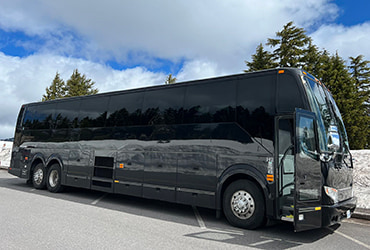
52 162
236 177
34 164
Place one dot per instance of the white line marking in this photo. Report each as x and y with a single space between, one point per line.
261 243
99 199
350 238
270 238
199 218
356 222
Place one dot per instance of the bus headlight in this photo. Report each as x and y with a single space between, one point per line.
332 193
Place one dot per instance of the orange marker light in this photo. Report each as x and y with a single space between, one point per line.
121 165
281 71
270 177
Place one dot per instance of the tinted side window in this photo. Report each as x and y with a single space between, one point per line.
67 114
257 94
125 109
93 112
20 117
256 105
39 116
163 106
210 102
288 94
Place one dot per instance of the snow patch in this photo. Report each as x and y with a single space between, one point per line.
361 177
5 153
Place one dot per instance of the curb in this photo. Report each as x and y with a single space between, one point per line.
361 213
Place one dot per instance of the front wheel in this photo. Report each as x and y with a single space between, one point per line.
243 205
54 180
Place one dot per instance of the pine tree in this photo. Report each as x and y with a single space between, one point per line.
55 90
313 59
348 85
261 60
291 46
350 104
79 85
360 72
170 79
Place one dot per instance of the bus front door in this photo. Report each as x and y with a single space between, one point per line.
307 174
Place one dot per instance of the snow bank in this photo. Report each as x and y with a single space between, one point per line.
361 177
5 153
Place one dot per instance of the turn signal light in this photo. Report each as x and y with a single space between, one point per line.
270 177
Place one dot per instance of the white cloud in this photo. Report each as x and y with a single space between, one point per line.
198 69
214 30
209 37
347 41
24 80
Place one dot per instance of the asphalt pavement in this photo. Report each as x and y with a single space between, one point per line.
85 219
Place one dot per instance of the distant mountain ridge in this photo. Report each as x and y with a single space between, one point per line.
8 139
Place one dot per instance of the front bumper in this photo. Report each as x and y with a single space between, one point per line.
333 214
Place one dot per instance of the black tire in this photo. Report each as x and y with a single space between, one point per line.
54 179
39 176
244 205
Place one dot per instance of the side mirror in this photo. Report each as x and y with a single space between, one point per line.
333 139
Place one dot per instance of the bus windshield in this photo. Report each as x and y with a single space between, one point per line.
331 120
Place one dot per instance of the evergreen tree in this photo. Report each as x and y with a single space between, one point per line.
79 85
170 79
261 60
313 60
291 46
360 72
344 91
55 90
348 85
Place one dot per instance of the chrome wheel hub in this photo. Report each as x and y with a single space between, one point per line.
53 178
242 204
38 176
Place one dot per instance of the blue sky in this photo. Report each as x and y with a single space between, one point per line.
353 12
129 44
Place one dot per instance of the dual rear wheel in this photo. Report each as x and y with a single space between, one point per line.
50 178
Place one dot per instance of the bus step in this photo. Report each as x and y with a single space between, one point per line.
288 218
287 210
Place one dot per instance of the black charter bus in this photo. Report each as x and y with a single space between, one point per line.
267 145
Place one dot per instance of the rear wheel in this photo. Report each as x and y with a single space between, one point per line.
54 180
243 205
38 176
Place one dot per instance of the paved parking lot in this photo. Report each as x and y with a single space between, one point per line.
83 219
